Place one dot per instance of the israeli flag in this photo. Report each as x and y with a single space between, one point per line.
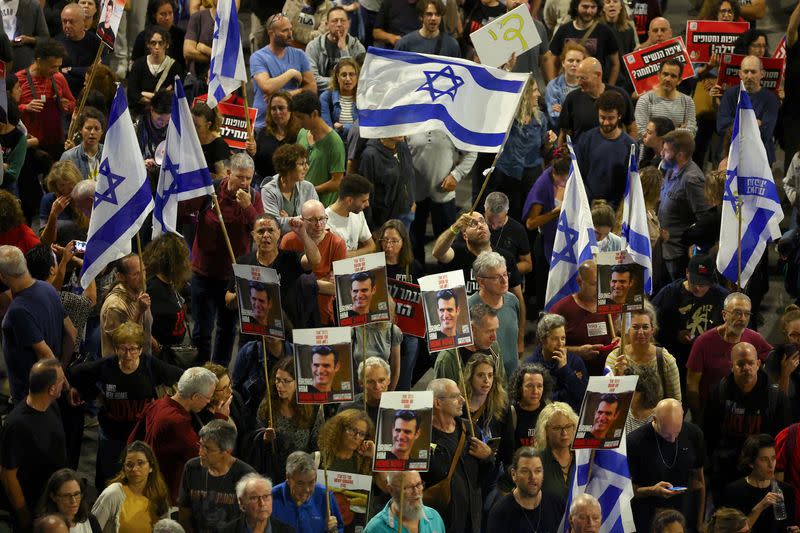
635 232
575 240
749 184
402 93
610 483
122 198
184 173
226 71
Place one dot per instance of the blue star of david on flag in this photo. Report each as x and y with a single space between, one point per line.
568 252
447 74
114 181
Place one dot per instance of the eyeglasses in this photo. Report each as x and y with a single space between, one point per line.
73 496
393 242
130 465
726 12
281 381
475 223
738 313
566 428
129 349
261 498
411 488
451 396
353 432
640 327
316 221
498 278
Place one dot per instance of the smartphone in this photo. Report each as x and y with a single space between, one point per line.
677 489
494 444
80 247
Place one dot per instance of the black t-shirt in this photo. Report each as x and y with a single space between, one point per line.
579 112
743 496
215 151
79 58
398 17
600 44
512 238
212 499
463 259
266 144
9 141
399 273
169 312
33 442
287 265
526 425
652 459
791 105
483 15
124 395
508 515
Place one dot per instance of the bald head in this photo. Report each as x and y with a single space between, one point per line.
743 349
751 72
590 76
659 31
668 419
752 62
72 22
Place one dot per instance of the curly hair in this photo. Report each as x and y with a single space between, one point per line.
156 489
292 127
710 9
286 157
11 214
168 256
344 62
332 433
497 400
549 411
305 413
518 378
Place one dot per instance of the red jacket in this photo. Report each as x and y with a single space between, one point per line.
45 125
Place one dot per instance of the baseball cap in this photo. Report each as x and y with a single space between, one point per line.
701 270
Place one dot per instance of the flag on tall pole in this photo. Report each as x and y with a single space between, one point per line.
184 173
402 93
122 198
751 208
635 232
226 72
575 240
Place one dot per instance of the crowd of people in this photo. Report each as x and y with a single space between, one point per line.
199 427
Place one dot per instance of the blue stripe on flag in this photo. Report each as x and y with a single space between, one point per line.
612 461
582 473
750 239
118 107
421 112
479 73
233 42
639 243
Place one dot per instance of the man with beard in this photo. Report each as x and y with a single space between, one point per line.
278 67
666 101
527 507
406 487
709 360
431 37
765 103
346 215
603 152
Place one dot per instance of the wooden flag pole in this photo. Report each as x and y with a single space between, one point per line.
85 95
402 498
141 261
247 113
739 243
611 325
266 380
215 201
324 460
364 361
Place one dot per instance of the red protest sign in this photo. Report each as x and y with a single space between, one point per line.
233 127
729 71
642 65
408 311
707 37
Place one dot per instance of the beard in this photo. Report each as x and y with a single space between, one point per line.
412 510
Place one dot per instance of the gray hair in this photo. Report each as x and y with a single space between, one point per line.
167 525
547 323
220 432
486 261
373 361
245 480
439 386
581 501
736 296
83 189
196 380
479 311
241 161
299 463
496 202
12 262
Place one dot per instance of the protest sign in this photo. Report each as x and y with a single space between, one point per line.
514 32
707 37
351 492
409 314
729 65
110 18
605 406
620 286
403 439
446 310
361 293
259 292
233 126
323 365
643 65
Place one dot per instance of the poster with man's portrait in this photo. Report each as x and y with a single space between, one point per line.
361 293
259 292
403 436
446 310
601 422
324 365
351 492
108 23
620 283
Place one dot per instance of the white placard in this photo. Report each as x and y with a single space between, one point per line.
403 436
513 32
601 423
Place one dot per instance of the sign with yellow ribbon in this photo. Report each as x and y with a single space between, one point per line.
514 32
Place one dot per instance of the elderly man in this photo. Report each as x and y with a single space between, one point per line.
32 441
240 204
579 110
81 47
667 483
527 503
744 403
35 325
658 31
485 323
325 51
126 302
278 67
374 376
475 460
300 500
406 489
207 498
585 515
167 424
331 248
765 103
492 276
709 360
254 494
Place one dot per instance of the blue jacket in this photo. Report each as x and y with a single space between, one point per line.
386 522
555 93
331 108
309 517
570 381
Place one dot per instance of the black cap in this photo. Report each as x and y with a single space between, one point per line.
701 270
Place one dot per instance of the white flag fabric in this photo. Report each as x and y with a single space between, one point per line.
610 483
122 198
184 173
402 93
749 180
226 71
575 240
635 231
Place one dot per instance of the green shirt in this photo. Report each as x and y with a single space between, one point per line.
325 157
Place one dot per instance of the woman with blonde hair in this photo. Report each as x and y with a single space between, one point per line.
487 399
338 102
57 207
553 436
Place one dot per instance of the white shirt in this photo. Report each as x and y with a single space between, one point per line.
353 228
8 8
